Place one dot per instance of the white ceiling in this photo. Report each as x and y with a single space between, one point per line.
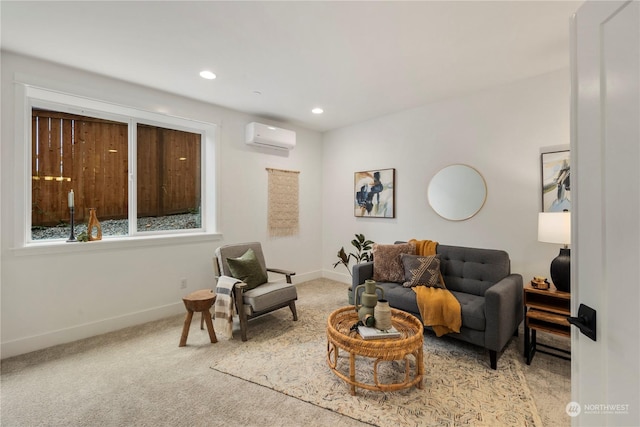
357 60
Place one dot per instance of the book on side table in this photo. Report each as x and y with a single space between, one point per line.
369 333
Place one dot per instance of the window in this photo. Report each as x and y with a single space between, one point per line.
168 179
83 154
142 172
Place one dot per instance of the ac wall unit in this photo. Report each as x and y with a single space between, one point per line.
270 136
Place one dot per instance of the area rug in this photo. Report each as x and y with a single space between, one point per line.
459 388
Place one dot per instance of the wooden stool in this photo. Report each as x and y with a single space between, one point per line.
200 302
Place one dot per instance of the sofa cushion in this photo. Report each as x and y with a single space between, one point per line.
387 265
248 269
400 297
269 295
421 271
472 308
472 270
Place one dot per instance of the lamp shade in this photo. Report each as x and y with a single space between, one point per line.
554 227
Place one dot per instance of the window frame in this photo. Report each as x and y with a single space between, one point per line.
29 97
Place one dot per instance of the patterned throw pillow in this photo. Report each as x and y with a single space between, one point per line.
387 265
421 271
248 269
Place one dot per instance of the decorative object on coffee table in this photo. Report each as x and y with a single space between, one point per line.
382 315
368 299
369 333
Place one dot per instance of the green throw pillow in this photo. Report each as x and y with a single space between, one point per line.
248 269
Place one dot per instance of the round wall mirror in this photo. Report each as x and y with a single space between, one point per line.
457 192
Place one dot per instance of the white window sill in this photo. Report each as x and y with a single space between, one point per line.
109 243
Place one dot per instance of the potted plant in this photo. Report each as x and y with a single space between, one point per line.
363 253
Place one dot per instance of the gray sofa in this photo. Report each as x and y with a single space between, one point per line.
490 296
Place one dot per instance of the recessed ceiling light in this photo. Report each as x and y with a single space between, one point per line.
317 110
206 74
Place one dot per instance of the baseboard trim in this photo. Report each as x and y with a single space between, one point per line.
338 277
86 330
74 333
305 277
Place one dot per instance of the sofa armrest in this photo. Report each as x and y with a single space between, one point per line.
503 311
361 272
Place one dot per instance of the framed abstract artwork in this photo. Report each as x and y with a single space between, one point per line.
375 193
556 180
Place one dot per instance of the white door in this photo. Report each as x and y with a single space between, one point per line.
605 140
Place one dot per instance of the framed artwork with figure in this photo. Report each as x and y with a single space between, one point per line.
375 193
556 179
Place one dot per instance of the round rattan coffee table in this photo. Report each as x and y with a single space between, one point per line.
340 336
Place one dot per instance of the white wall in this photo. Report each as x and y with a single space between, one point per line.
54 298
51 298
498 131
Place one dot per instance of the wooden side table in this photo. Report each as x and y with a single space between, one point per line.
545 310
199 302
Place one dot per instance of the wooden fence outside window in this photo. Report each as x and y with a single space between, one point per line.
90 156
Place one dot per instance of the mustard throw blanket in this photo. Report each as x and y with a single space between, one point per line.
438 307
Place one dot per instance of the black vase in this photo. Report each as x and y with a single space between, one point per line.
561 270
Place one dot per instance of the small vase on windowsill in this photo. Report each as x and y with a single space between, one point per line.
93 226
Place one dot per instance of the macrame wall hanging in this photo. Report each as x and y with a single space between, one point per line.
283 210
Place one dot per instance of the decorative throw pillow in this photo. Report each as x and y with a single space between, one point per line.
422 271
387 265
248 269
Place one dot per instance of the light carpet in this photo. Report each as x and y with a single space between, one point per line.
459 388
138 376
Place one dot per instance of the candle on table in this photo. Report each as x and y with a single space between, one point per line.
71 198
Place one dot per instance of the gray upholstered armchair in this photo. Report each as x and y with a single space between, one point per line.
255 295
